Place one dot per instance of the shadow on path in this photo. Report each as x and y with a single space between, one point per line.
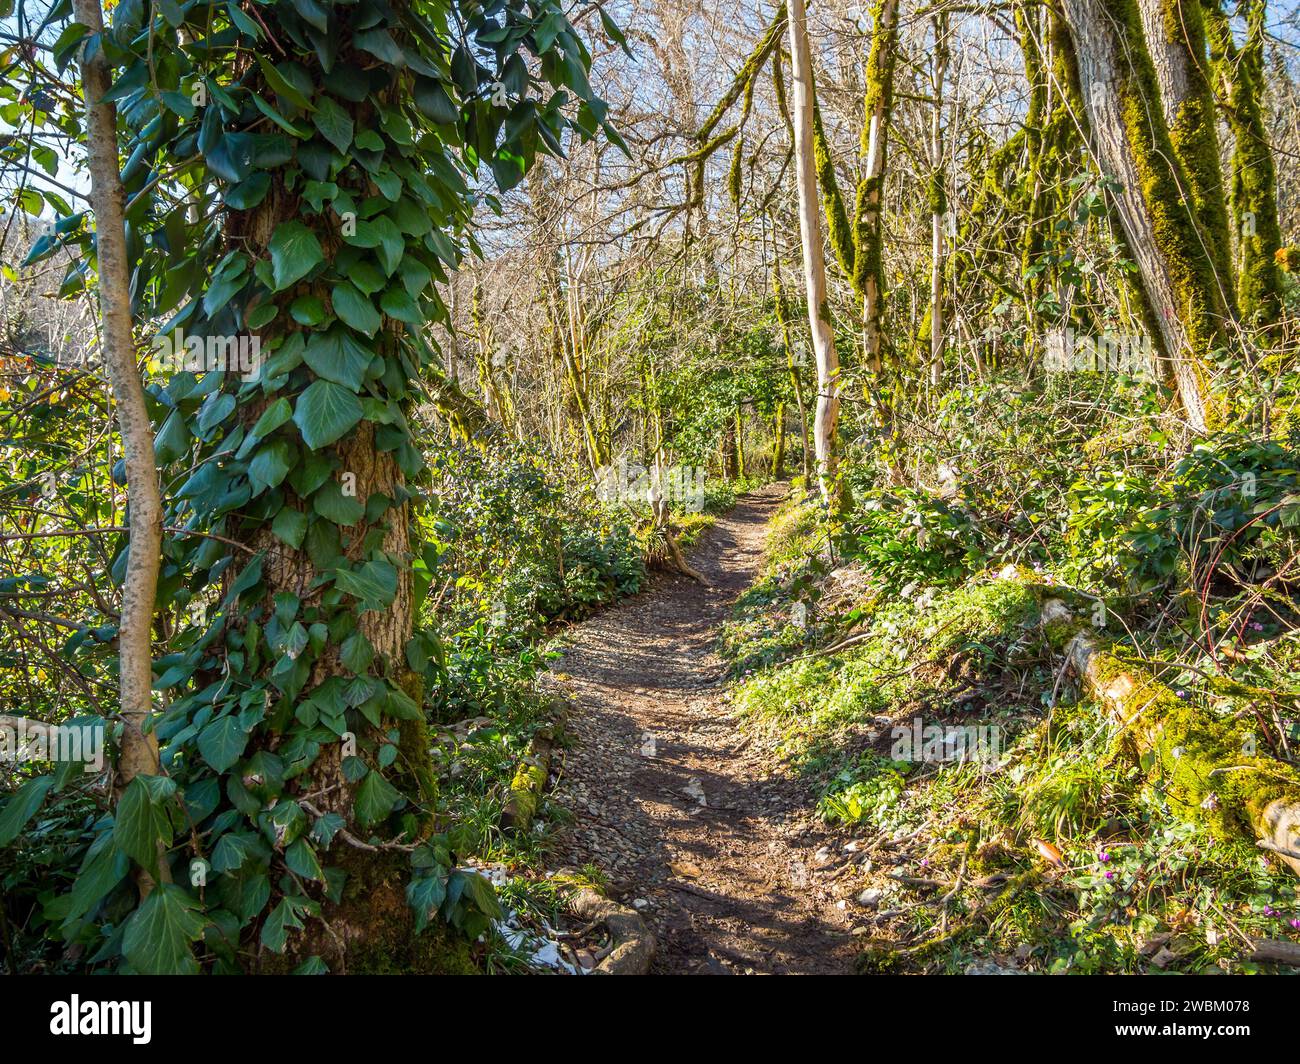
717 846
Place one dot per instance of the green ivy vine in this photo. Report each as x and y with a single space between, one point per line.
300 173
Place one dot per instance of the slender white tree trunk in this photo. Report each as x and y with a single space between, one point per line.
139 753
814 261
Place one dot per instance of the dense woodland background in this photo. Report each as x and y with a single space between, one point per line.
1043 409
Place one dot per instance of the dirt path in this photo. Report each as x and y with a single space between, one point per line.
705 836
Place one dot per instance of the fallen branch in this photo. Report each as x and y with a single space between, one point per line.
528 783
1277 951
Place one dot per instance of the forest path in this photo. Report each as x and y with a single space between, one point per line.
708 838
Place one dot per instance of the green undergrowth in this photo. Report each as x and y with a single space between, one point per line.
992 817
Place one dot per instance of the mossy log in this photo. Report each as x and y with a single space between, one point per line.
529 782
1200 756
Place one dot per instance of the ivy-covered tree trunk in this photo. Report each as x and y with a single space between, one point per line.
1133 146
298 181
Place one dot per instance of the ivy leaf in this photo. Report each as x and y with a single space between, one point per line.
22 806
248 194
173 438
300 859
337 356
307 310
272 418
356 653
375 799
337 508
432 99
424 896
380 44
158 935
275 932
222 742
295 252
355 309
231 157
141 821
324 412
375 584
314 14
334 123
281 85
232 850
397 303
100 873
383 234
290 526
271 464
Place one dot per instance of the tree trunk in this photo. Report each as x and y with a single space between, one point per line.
1175 35
796 383
814 262
139 753
1133 146
938 204
1254 176
868 264
778 442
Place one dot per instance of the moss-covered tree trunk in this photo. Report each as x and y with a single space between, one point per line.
868 213
1037 208
1253 187
1133 146
937 202
1175 35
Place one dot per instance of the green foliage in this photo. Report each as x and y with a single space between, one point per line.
913 538
1230 506
866 792
307 199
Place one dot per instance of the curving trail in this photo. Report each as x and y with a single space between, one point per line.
706 836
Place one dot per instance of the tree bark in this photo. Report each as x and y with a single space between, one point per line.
139 753
1133 147
1254 175
868 263
814 261
1175 35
